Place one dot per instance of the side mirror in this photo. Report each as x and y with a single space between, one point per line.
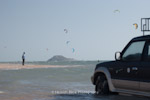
118 55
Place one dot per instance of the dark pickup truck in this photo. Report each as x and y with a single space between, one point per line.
129 73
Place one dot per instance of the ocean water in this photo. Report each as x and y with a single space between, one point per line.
65 83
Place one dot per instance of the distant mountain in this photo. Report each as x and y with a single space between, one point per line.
58 58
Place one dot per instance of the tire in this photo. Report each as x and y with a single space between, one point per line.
102 85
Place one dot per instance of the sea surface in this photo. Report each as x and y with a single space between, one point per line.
66 83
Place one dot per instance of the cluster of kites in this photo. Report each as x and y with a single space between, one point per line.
135 24
68 42
73 49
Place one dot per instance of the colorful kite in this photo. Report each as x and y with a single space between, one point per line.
136 25
115 11
73 50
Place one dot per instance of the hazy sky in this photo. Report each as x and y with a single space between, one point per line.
95 31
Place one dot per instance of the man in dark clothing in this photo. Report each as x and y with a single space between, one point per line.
23 58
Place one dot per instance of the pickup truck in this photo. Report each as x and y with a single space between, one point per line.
129 73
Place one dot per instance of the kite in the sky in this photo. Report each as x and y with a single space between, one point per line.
5 47
136 25
115 11
73 50
67 42
66 31
46 49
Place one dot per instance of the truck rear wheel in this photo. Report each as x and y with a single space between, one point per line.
102 85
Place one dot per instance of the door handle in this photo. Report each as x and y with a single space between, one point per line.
134 68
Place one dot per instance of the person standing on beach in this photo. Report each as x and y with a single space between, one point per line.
23 58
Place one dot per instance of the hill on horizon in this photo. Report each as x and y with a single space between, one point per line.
58 58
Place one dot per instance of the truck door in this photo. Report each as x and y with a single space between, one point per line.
129 65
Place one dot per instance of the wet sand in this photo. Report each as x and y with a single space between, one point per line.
18 66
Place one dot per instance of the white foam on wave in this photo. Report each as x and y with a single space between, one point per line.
2 92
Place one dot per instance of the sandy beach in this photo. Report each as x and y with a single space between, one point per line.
28 66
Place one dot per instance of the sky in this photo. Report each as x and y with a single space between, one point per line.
95 30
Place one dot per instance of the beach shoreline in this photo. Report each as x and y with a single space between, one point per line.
27 66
